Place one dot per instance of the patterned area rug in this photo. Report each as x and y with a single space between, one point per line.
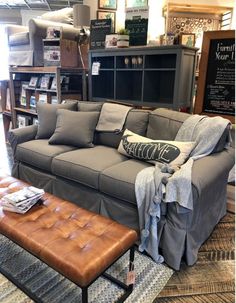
50 286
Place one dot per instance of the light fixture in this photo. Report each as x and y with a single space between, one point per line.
81 15
81 19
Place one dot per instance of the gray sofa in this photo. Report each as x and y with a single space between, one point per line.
102 180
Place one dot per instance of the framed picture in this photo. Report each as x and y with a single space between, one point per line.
33 82
107 4
187 39
111 41
108 15
136 3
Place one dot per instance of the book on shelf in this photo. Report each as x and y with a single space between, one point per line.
24 86
43 98
54 100
32 102
23 121
65 83
33 82
8 100
54 82
45 82
22 200
35 121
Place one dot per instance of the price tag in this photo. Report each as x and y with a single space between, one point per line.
95 68
130 277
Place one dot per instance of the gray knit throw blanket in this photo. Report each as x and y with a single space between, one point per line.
155 186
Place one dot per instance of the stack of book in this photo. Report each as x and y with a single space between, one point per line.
21 201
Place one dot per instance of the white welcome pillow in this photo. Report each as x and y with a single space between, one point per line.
153 151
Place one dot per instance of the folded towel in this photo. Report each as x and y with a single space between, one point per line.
112 117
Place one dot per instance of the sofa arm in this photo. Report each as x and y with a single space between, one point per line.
20 135
208 169
14 29
38 31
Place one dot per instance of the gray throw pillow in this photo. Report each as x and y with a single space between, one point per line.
89 106
47 116
75 128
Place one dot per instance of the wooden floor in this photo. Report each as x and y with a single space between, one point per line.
210 280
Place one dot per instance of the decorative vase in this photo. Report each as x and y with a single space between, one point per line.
122 41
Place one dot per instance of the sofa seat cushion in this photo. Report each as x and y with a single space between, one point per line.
86 164
19 39
119 180
39 153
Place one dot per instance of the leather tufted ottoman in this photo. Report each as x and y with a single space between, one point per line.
79 244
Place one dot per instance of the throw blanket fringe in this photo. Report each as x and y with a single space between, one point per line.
166 184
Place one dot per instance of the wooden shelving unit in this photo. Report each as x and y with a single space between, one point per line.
75 88
5 104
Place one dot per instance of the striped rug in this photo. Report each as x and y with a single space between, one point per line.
51 287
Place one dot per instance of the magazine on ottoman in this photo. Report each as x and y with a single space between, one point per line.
21 201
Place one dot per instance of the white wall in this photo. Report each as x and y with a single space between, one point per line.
10 16
156 22
120 13
29 14
93 8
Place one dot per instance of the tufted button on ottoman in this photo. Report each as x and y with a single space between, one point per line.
78 243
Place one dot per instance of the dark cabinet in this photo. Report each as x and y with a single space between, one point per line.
149 76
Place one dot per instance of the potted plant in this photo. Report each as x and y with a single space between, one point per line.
123 38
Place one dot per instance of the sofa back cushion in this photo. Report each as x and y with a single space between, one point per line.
47 116
89 106
164 123
136 121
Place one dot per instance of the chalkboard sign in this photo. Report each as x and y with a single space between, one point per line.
137 31
98 30
216 84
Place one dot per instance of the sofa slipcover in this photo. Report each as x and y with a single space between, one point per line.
102 180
